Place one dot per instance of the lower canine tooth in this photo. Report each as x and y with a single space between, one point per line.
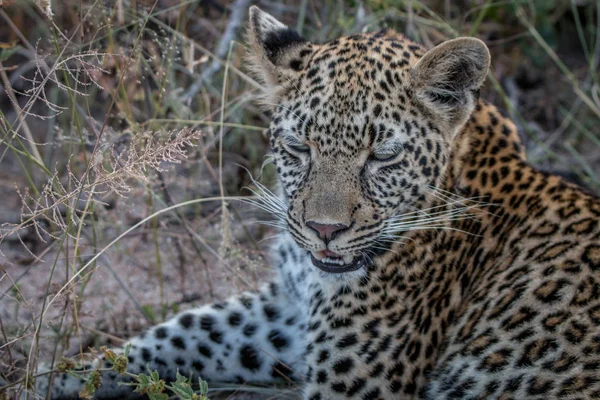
348 259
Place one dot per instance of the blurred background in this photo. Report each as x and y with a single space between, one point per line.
128 129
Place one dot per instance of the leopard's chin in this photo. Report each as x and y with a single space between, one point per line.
331 262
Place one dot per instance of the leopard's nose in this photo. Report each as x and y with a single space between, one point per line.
326 231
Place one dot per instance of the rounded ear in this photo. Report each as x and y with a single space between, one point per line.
448 77
277 52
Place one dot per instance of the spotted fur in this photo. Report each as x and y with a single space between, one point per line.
477 276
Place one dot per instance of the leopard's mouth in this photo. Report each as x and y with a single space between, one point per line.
329 261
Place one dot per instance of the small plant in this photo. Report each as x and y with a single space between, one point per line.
149 384
154 387
91 384
182 387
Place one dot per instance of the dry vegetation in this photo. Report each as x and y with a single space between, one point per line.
128 131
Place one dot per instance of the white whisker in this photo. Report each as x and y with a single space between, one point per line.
274 224
386 249
270 237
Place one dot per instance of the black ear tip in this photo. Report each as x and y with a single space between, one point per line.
277 41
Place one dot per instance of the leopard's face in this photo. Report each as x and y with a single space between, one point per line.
362 130
351 158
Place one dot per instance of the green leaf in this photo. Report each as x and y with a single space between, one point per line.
151 385
182 388
203 385
149 311
127 349
6 53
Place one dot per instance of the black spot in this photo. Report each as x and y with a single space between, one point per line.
186 320
180 361
323 356
347 341
177 341
296 65
160 361
207 322
250 330
397 369
357 385
246 302
271 313
249 358
161 332
216 337
341 323
339 387
377 110
235 318
198 366
513 384
321 376
146 355
411 388
278 340
220 305
395 386
321 337
591 256
343 365
204 350
314 325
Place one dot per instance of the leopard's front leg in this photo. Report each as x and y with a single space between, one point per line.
252 337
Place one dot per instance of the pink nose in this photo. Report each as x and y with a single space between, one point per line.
326 231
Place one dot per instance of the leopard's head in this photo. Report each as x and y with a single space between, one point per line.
362 127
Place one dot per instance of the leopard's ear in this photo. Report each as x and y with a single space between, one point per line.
277 53
448 77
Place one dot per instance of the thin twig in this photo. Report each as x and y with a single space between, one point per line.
238 15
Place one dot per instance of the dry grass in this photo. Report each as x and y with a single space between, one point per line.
125 141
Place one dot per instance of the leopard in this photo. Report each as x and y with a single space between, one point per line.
421 255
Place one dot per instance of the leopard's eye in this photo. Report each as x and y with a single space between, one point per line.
299 148
295 145
383 156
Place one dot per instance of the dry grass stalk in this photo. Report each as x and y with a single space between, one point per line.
112 169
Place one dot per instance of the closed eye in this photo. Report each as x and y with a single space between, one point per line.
386 152
383 156
295 145
299 148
